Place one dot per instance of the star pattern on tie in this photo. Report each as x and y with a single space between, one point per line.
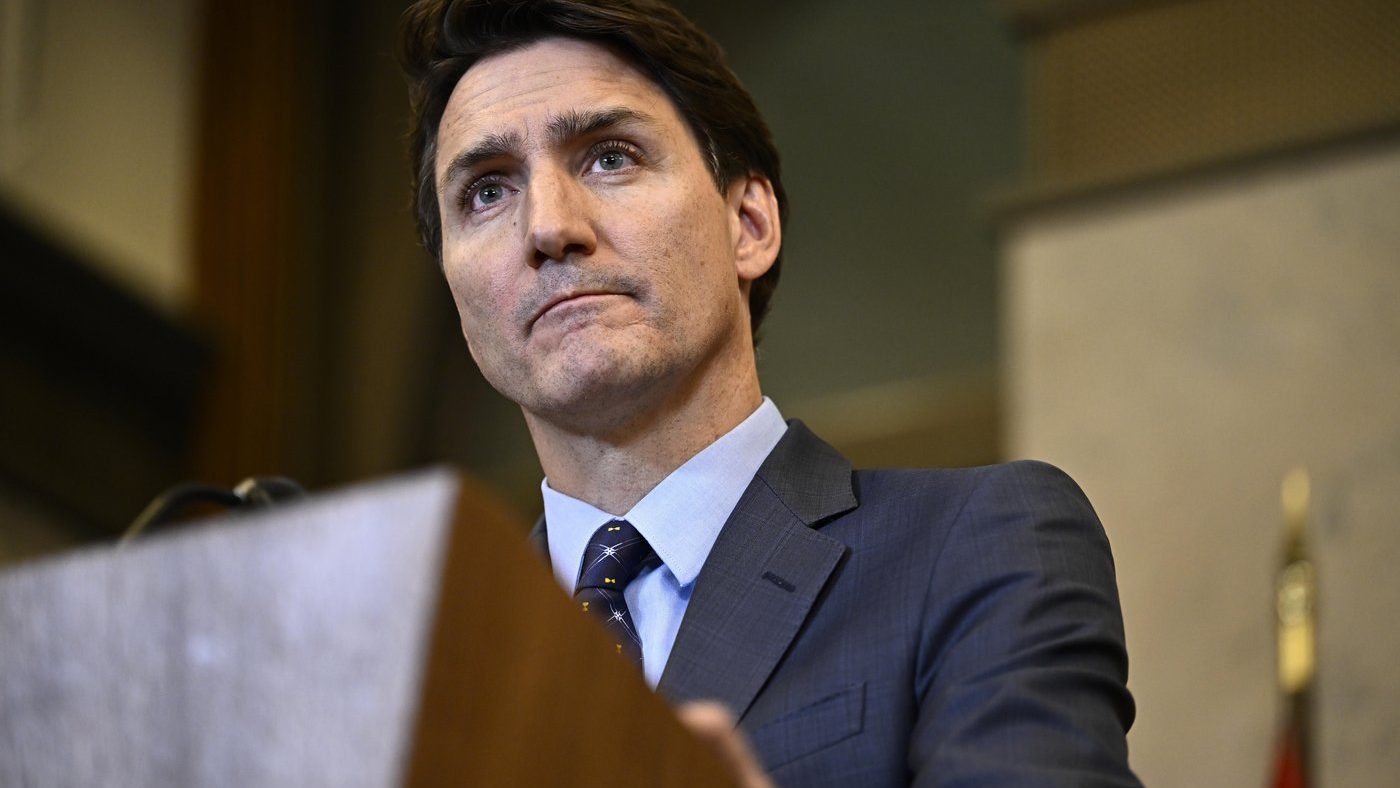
614 556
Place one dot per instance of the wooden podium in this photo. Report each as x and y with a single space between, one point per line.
398 633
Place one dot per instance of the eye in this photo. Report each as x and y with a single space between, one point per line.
613 156
489 193
612 160
483 193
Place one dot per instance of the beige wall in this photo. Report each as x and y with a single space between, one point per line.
97 112
1177 351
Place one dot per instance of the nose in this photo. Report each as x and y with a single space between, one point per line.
560 221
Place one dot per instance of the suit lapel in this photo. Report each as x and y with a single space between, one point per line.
763 575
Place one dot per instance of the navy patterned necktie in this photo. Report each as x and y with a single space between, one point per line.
615 554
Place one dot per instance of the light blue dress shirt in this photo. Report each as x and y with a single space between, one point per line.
681 518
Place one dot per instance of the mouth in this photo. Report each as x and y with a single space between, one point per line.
566 298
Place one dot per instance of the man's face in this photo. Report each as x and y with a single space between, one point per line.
590 254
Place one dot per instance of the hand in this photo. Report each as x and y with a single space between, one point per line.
713 724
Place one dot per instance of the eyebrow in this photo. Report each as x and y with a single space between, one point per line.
563 128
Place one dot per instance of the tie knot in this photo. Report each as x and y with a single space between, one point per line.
614 555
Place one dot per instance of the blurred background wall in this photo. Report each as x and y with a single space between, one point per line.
1152 241
1201 289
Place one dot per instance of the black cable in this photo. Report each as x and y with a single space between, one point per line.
175 499
253 492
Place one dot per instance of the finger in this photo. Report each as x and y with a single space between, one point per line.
713 724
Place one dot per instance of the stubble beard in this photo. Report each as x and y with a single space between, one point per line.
610 392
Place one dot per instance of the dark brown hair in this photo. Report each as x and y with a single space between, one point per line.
444 38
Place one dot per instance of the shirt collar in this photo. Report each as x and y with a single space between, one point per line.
682 516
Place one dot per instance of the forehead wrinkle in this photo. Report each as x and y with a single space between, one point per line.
459 123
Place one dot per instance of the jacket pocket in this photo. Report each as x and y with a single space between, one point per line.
816 726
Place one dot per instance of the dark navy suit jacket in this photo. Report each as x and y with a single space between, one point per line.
925 627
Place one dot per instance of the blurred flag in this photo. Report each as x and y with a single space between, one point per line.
1296 587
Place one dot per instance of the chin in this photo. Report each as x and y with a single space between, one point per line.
596 391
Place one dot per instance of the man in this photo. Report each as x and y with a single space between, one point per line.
607 207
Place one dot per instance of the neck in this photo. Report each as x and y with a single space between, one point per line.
612 469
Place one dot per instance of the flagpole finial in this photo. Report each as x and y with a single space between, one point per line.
1297 590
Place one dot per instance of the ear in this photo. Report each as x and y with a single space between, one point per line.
755 226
